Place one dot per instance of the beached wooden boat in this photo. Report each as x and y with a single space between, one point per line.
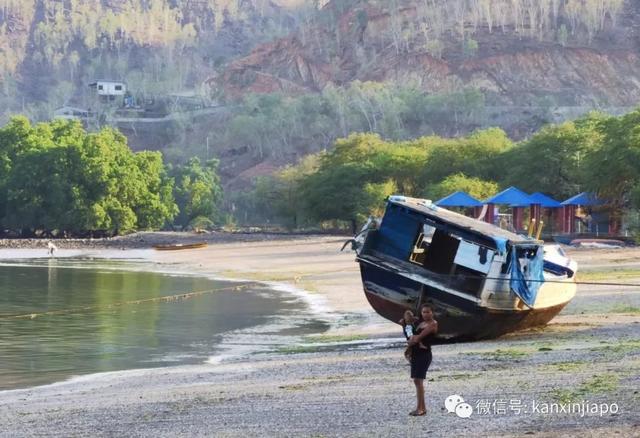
178 246
597 243
577 238
480 280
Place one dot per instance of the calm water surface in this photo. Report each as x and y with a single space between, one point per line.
81 319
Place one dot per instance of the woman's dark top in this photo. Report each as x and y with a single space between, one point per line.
421 357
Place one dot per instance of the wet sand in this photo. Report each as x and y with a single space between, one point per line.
353 381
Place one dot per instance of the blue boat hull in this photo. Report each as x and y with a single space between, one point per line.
390 294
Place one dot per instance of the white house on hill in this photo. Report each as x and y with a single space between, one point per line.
109 88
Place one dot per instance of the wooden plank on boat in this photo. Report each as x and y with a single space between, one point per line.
178 246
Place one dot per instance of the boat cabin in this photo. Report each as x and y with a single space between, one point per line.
452 249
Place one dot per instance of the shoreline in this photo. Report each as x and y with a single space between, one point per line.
314 305
353 379
147 239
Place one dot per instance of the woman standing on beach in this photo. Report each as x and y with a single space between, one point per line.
421 355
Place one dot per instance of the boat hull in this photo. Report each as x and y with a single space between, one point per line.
568 239
390 294
180 246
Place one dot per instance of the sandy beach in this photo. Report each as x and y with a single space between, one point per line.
353 379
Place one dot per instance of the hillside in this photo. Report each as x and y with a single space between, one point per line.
52 49
555 53
288 77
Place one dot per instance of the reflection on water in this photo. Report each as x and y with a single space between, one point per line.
84 321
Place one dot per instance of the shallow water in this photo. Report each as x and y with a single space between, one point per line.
66 317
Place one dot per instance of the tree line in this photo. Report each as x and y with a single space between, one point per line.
597 153
57 178
278 125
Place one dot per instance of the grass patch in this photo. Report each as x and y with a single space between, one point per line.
506 354
461 376
563 395
294 387
325 339
568 366
325 379
318 343
613 274
596 385
626 346
297 349
545 347
625 308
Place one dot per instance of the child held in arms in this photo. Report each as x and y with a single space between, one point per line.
409 325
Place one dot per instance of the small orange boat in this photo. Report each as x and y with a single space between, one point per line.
178 246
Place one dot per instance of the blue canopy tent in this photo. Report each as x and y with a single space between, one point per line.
583 199
571 216
459 199
544 201
513 197
541 201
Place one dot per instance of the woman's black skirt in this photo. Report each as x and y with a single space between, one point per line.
420 361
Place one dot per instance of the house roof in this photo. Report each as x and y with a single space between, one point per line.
113 81
459 199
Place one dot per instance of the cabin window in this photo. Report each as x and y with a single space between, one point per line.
473 256
100 87
464 264
421 244
118 87
472 264
441 252
397 232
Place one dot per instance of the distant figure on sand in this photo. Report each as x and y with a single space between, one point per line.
51 248
421 355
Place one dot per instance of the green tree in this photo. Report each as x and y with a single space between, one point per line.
475 156
154 204
553 160
197 191
281 195
614 168
342 193
469 47
61 178
351 180
479 189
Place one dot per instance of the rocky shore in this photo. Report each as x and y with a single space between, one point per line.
149 239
